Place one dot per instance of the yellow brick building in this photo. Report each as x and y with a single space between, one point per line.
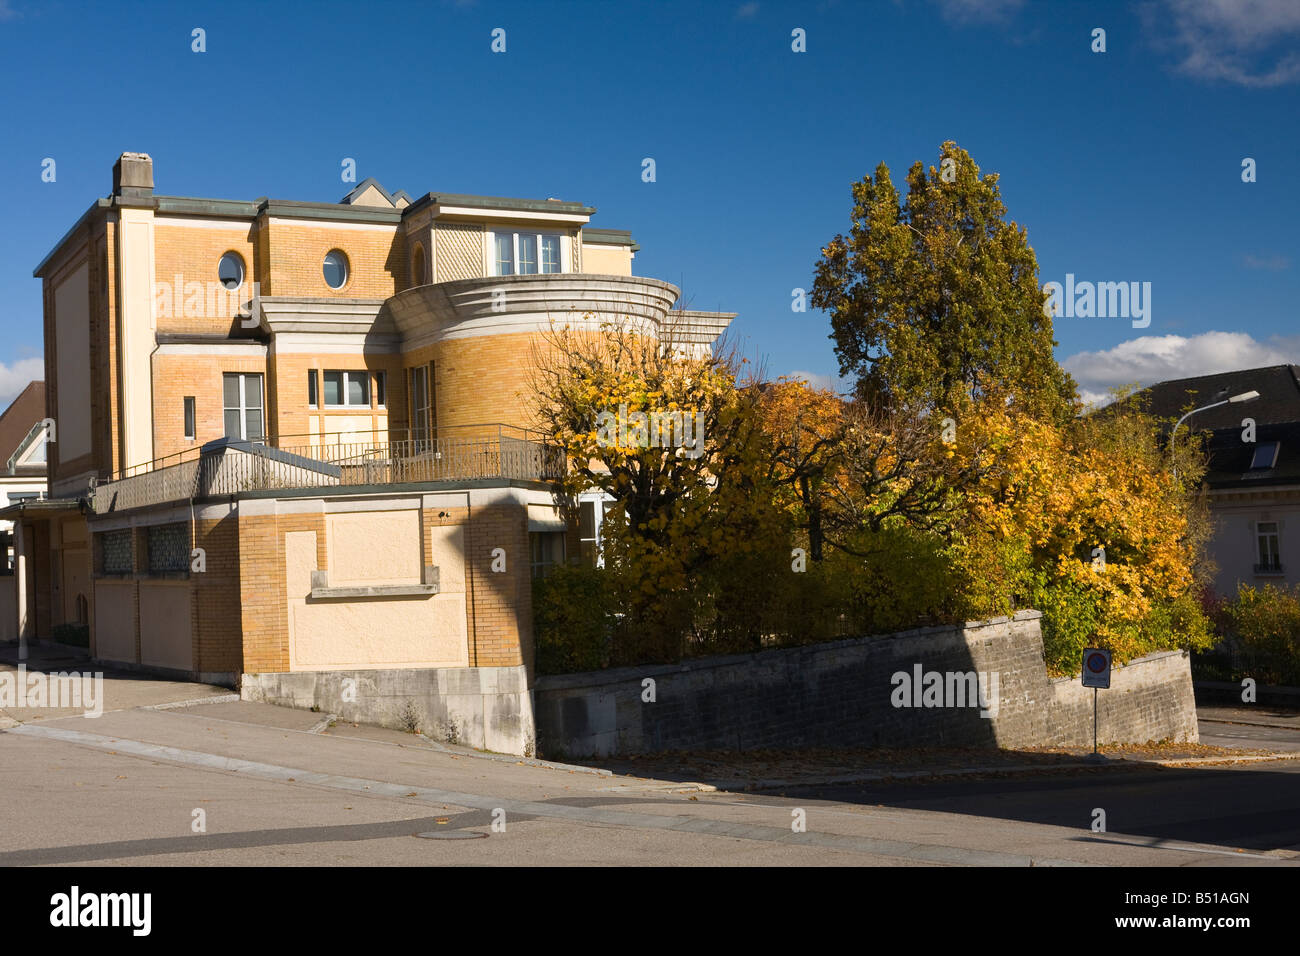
293 438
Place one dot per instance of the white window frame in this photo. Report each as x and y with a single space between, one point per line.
1262 536
562 238
420 414
343 387
243 404
600 504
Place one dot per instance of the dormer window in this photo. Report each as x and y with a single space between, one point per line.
526 253
1265 455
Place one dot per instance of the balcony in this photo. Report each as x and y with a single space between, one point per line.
498 305
232 467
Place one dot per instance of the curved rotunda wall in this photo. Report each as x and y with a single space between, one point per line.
480 334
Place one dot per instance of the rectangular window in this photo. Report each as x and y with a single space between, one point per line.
115 551
526 253
590 515
420 404
381 389
313 387
1268 542
169 548
527 245
189 417
242 412
505 246
547 551
347 389
550 246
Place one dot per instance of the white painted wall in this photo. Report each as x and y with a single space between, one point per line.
1235 550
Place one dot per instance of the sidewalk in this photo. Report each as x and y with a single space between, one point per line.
42 655
1256 715
121 689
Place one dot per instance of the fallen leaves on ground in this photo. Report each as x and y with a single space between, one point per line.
822 762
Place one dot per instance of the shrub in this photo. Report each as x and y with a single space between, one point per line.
1265 624
907 578
75 635
572 620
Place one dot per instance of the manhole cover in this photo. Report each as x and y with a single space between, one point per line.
450 835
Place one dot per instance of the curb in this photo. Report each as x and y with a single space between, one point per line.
194 702
834 780
507 758
1247 723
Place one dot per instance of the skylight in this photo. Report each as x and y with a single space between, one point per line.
1265 455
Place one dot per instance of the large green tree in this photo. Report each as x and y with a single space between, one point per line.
936 301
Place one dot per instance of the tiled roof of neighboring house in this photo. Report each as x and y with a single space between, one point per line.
1279 397
1234 463
17 420
1238 464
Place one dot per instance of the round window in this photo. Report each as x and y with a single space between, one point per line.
230 271
336 269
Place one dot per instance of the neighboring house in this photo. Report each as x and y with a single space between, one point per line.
1253 486
22 456
22 478
292 436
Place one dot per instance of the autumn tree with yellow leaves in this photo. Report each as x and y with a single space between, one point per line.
693 539
959 482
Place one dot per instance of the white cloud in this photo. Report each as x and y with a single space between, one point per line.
747 11
1158 358
7 12
968 11
14 378
820 381
1246 42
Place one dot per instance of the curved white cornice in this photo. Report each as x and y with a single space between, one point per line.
503 305
500 305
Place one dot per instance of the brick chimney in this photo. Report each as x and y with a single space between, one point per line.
133 177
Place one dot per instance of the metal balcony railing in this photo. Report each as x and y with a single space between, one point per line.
231 467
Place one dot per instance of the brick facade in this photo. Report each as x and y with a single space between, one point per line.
151 353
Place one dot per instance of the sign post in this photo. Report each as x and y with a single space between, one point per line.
1096 674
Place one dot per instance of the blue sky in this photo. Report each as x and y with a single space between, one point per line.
1123 165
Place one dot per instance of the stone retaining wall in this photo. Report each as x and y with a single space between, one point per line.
846 694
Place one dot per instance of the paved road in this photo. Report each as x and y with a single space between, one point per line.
1268 728
273 788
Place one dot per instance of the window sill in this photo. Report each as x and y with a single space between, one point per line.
322 591
385 590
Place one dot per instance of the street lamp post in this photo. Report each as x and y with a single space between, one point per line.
1234 400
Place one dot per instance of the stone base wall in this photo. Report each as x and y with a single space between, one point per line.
488 708
849 694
